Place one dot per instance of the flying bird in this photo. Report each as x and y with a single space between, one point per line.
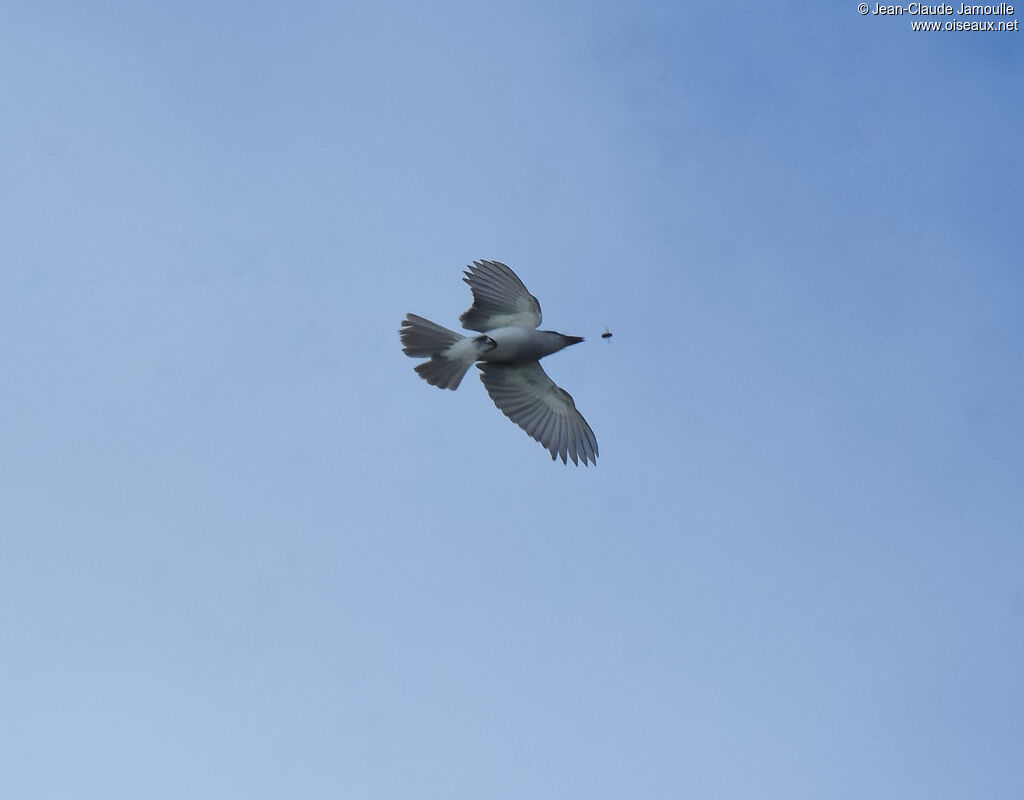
507 350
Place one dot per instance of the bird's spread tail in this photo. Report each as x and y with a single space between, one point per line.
421 337
450 353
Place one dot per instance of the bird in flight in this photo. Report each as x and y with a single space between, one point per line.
507 350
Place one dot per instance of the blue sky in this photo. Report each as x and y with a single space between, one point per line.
246 552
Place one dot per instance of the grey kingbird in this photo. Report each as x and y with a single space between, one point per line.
508 352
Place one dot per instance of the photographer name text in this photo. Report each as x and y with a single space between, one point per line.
921 9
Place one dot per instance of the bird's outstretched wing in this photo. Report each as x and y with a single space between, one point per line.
499 299
528 397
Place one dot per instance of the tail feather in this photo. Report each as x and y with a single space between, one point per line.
448 361
444 373
421 337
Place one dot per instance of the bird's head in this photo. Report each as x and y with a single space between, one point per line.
559 341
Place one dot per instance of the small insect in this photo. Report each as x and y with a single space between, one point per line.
607 334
